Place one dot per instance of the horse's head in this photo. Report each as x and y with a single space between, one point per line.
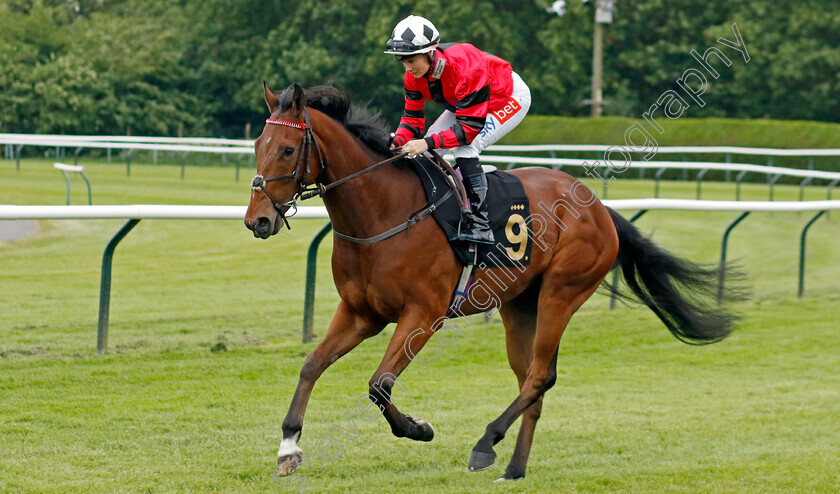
288 159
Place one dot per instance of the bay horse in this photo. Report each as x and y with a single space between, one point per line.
316 141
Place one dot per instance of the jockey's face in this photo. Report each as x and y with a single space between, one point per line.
418 65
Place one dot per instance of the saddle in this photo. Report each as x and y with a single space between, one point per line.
508 206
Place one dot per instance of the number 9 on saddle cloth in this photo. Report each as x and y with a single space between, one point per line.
509 211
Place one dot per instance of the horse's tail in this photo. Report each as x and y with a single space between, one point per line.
679 291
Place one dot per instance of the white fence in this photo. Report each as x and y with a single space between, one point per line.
241 148
128 144
175 145
53 140
140 212
670 149
135 213
656 165
58 139
179 212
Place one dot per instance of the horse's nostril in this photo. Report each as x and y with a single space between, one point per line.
262 224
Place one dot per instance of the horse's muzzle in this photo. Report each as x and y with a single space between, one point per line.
264 227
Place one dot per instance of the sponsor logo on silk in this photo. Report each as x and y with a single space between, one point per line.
510 109
440 64
489 124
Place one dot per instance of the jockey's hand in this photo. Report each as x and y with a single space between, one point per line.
415 147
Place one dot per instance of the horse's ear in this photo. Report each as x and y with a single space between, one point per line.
270 99
298 98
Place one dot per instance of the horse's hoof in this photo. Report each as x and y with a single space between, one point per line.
481 460
421 430
287 464
506 477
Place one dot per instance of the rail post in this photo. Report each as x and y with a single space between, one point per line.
87 182
17 156
724 244
632 219
738 179
68 168
699 180
728 160
801 290
831 186
772 183
309 294
184 163
238 165
804 183
606 183
656 178
105 286
67 181
128 162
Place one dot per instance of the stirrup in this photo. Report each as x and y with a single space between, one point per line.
475 232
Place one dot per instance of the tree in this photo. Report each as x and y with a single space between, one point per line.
100 66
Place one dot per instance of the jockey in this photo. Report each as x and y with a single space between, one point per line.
483 100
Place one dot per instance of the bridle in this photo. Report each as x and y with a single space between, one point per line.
299 176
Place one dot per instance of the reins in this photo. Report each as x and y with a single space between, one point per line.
322 189
319 189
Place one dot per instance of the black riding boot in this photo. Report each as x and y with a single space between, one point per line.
475 225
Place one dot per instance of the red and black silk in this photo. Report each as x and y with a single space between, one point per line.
471 85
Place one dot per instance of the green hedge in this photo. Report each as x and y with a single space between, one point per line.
539 129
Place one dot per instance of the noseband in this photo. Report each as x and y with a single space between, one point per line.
298 175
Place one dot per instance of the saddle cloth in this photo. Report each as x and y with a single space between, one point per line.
508 207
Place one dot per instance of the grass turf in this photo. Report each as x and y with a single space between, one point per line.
633 411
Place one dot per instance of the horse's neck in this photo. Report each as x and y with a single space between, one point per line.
373 202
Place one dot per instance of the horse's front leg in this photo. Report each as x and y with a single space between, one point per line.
413 331
346 330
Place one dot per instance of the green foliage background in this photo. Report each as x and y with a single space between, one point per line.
154 66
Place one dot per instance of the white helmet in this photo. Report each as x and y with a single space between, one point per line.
413 35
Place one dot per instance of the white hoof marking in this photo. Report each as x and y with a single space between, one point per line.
288 447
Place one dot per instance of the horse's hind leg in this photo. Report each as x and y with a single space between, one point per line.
520 318
560 297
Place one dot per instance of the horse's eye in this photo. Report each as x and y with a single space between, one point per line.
288 151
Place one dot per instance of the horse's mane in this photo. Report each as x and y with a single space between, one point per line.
370 129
